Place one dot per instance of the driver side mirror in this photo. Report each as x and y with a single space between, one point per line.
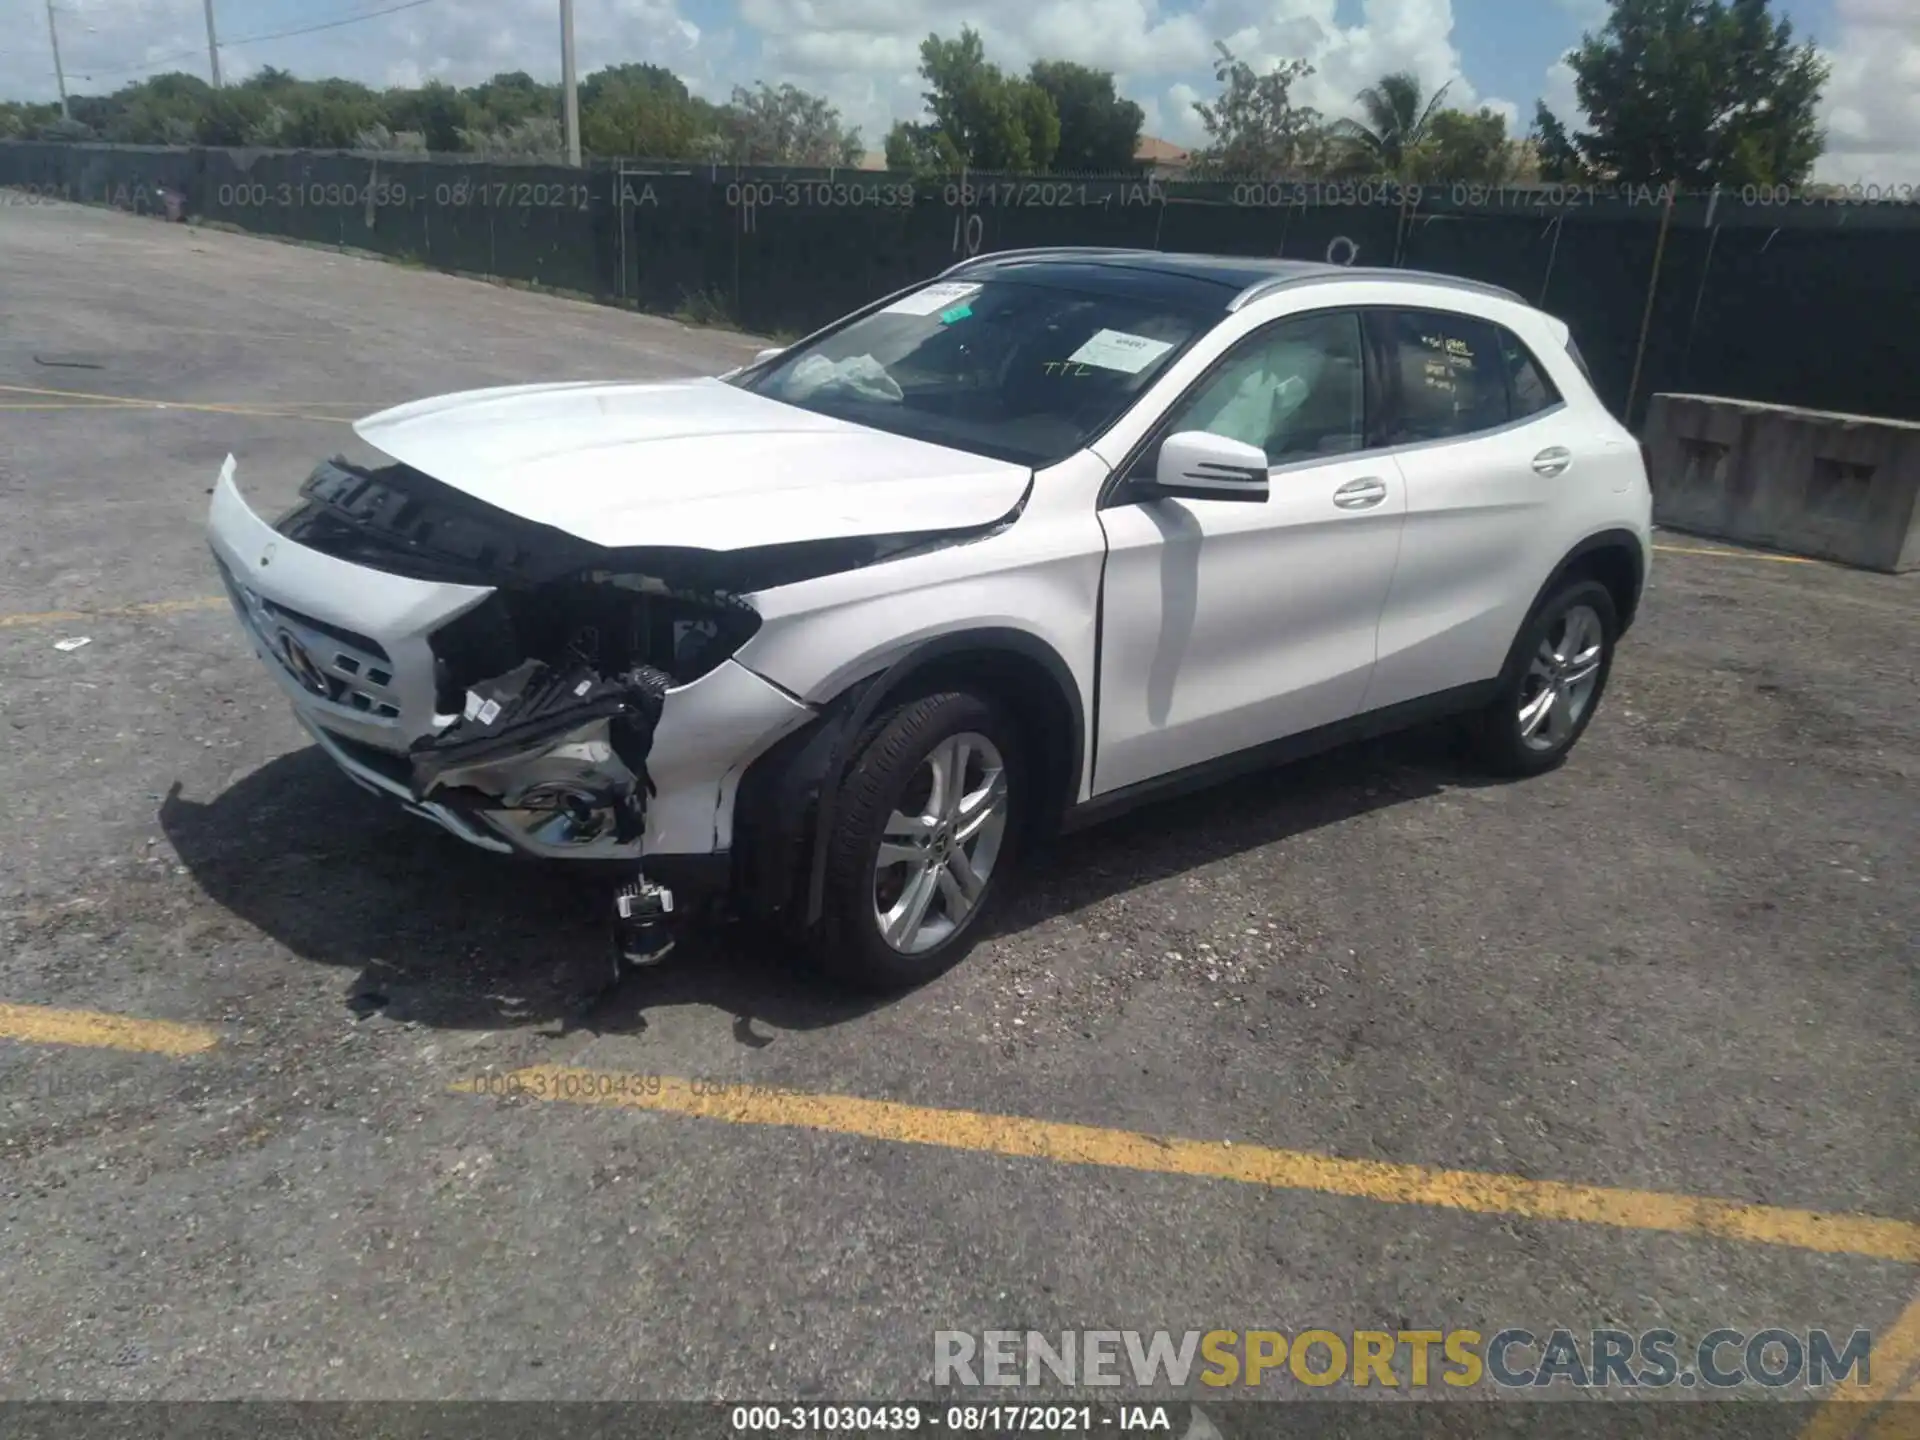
1199 465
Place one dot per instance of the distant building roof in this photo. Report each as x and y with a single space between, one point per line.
1155 151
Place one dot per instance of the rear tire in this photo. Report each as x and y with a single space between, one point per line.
1555 681
922 841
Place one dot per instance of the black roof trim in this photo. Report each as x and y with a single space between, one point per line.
1231 271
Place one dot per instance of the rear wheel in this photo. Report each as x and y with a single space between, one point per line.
1547 702
922 840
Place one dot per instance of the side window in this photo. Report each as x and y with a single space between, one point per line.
1531 389
1448 375
1297 389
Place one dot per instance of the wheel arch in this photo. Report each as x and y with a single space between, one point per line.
785 805
1616 558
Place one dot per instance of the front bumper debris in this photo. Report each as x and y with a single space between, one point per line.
631 766
561 758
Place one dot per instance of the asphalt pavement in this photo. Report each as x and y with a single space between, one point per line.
1682 965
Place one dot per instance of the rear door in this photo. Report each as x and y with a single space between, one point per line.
1488 449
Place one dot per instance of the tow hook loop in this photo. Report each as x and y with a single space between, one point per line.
641 930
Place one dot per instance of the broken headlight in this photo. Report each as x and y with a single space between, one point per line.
609 623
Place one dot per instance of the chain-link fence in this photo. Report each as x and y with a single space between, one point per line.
1762 293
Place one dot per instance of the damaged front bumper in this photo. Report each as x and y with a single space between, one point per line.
352 646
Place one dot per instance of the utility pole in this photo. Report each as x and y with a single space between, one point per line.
567 85
213 47
59 75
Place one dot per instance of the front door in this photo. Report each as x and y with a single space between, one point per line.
1224 623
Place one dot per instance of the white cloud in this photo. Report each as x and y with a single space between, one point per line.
1558 93
1182 121
1872 110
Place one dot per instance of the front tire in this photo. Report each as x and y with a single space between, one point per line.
1554 686
922 841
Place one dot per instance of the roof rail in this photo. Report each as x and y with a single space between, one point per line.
1046 252
1371 272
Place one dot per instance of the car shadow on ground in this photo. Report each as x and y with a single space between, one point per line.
447 936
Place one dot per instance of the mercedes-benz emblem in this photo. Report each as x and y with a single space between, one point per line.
298 661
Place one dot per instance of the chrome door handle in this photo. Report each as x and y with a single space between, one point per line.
1360 494
1552 461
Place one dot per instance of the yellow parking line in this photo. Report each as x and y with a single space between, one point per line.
113 612
43 1025
1738 554
90 400
1849 1412
1391 1184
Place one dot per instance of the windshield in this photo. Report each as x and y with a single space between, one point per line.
1001 367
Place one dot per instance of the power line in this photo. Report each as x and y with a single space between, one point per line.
257 39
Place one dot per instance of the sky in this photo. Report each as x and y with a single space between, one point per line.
862 54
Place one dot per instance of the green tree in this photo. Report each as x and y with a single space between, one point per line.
436 110
1395 117
653 79
921 150
21 120
163 110
787 126
232 116
510 98
269 81
1099 131
640 121
1696 92
1456 145
1254 128
539 137
990 120
392 142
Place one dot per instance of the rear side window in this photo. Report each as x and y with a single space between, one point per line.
1532 390
1454 375
1580 360
1447 373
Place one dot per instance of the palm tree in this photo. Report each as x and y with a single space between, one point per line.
1395 124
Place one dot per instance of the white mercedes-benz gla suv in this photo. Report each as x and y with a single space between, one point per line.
840 635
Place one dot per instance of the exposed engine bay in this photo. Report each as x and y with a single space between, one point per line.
557 598
546 694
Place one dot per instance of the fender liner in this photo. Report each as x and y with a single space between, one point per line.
791 792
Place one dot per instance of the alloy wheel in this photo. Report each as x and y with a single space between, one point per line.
1561 679
938 847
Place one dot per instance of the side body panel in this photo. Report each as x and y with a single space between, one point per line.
1039 576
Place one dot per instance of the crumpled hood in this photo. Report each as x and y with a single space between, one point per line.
696 463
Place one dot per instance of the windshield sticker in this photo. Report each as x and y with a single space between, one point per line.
958 312
1117 350
931 300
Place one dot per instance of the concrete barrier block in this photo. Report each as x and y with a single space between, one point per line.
1809 482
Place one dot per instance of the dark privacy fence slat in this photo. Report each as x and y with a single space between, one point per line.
1759 294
